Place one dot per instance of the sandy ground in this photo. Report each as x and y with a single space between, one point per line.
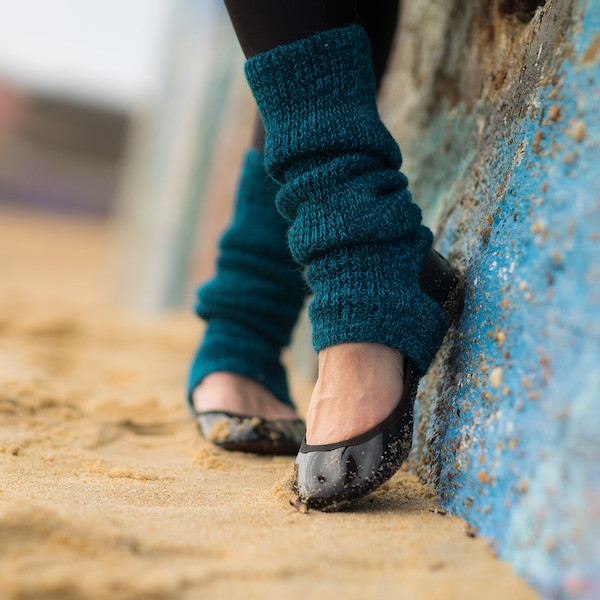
106 490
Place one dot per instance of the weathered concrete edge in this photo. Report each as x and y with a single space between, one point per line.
507 429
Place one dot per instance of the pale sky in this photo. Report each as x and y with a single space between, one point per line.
104 49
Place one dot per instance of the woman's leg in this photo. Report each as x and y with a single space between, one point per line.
224 373
359 381
250 307
356 230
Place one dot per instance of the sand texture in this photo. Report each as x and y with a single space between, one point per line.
107 491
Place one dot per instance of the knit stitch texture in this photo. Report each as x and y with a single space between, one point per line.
252 303
353 223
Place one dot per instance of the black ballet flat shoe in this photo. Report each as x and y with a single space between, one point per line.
444 284
330 476
251 434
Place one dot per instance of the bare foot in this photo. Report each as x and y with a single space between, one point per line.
359 385
229 392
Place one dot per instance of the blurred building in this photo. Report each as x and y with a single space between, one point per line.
81 133
58 152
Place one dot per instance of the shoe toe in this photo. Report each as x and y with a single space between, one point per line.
328 479
251 434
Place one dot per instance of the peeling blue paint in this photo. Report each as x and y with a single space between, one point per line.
513 424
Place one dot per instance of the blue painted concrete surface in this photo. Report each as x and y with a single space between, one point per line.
509 420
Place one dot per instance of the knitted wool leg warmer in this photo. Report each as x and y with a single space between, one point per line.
254 299
353 222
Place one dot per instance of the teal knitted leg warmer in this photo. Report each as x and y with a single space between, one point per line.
254 299
353 222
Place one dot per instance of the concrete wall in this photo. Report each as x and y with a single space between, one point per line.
497 109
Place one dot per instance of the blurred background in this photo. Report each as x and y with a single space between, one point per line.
133 115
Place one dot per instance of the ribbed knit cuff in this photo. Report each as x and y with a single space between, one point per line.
372 294
230 347
319 83
353 221
253 301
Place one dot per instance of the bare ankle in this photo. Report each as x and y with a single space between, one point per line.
237 394
359 385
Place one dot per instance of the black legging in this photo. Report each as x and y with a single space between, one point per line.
264 24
